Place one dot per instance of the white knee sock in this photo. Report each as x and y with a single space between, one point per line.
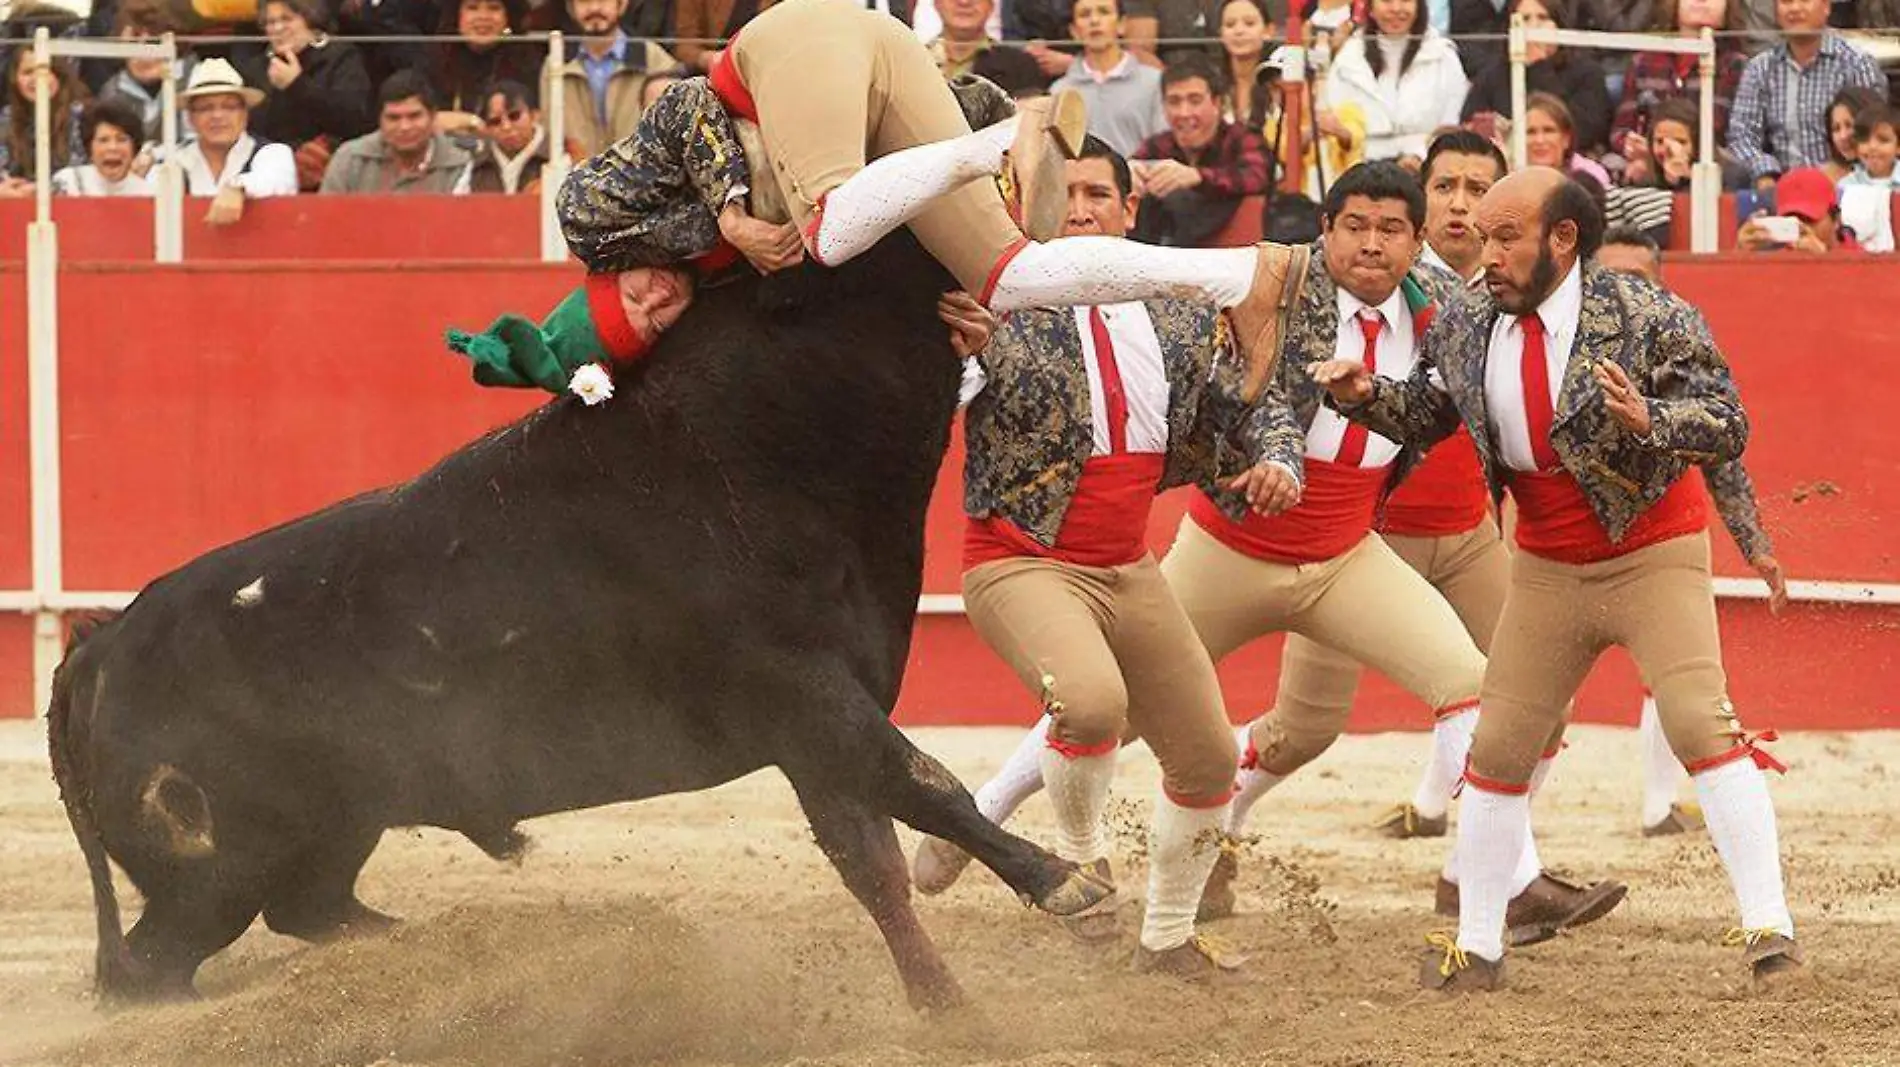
1250 784
1078 790
1182 846
891 190
1020 778
1451 742
1110 270
1661 770
1493 832
1529 864
1741 819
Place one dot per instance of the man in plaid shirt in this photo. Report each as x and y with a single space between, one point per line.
1192 176
1780 117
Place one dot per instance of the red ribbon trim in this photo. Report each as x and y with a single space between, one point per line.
1073 751
1745 746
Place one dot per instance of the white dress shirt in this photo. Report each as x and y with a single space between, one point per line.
1397 354
1144 377
272 173
1143 372
1562 314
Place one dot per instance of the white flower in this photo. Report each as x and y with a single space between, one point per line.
592 384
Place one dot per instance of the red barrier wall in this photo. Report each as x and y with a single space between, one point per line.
201 403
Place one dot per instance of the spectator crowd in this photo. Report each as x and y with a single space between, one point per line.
307 97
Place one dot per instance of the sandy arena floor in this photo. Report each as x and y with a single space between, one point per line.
709 930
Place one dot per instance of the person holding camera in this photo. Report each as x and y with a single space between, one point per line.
1809 219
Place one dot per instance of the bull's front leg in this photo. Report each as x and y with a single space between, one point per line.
862 844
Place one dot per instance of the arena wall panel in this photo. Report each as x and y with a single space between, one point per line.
204 402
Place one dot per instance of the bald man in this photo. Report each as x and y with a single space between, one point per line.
1595 395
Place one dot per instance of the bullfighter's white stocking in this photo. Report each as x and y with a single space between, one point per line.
1078 790
1741 820
1019 779
1111 270
1493 836
891 190
1662 772
1451 743
1182 846
1250 784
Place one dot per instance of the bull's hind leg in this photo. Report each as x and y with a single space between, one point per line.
862 844
314 895
860 752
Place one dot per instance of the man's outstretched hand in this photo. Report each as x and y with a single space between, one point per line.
1346 381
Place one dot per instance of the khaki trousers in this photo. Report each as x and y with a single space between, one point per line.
1112 653
1471 570
1366 602
1658 602
837 84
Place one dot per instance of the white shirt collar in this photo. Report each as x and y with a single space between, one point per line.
1391 308
1431 257
1562 309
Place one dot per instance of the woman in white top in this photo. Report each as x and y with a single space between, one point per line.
1405 79
112 126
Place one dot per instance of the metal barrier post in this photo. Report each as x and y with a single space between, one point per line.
1705 180
42 376
1519 91
553 245
168 206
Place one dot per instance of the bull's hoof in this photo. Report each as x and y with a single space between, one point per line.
942 998
1076 893
320 927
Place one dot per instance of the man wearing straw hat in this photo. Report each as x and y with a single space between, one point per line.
225 162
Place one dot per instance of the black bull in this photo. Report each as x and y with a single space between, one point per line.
715 572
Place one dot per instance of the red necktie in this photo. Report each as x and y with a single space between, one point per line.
1113 398
1537 410
1352 447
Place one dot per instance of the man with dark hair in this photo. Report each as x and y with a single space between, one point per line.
1129 399
1460 167
605 74
515 145
1194 175
1308 563
405 154
1779 121
1123 93
1628 250
1593 396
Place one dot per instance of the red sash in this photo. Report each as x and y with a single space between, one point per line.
1444 495
1106 524
1333 515
1555 521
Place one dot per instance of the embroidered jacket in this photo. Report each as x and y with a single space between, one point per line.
1733 493
1446 322
1028 432
654 197
1659 340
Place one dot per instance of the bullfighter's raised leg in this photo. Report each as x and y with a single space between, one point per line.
862 844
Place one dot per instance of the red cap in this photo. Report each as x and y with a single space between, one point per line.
1807 192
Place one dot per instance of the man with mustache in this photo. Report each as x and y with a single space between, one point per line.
1593 396
1306 561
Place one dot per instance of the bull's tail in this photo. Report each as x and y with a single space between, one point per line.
68 732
